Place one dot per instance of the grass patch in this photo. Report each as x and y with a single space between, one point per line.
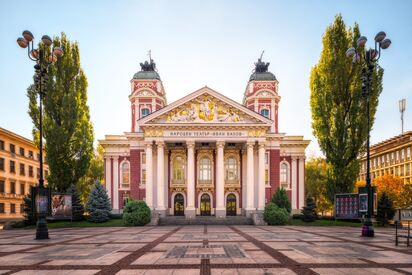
67 224
324 223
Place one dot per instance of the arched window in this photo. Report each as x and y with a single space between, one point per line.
284 175
231 168
264 112
178 168
125 173
205 169
144 112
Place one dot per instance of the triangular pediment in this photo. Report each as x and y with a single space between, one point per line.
205 106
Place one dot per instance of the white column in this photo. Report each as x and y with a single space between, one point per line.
160 178
301 182
220 180
250 178
244 179
261 177
108 179
149 174
116 183
294 184
190 209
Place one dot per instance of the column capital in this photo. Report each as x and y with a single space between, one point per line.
262 143
148 143
250 143
294 158
160 143
115 158
220 143
190 143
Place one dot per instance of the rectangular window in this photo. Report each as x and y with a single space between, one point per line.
2 183
22 169
22 152
2 164
31 154
408 153
12 208
22 187
125 200
408 169
143 180
392 157
402 154
1 145
12 148
397 156
22 208
38 173
266 176
401 170
30 171
12 188
12 167
1 207
38 156
143 158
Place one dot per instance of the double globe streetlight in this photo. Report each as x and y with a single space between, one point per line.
44 56
368 59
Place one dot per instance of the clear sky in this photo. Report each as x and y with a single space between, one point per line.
197 43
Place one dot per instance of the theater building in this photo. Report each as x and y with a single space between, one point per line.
204 154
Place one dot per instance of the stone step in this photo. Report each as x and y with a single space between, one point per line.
206 220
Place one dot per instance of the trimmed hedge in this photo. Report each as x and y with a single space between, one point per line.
274 215
137 213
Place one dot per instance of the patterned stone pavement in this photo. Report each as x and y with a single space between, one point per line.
204 250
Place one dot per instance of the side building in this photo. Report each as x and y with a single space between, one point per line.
19 170
391 156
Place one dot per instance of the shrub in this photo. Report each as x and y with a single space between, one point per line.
274 215
385 209
309 211
77 206
136 212
281 199
98 204
116 216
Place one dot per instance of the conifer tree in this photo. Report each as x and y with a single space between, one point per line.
309 211
385 209
67 130
98 205
338 107
281 199
77 206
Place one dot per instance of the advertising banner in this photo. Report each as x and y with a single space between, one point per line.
61 206
346 206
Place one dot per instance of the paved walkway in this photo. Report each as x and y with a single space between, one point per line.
204 250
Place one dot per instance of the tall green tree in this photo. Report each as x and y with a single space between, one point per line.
67 130
316 183
338 107
94 172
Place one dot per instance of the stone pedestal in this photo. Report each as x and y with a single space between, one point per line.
220 213
190 213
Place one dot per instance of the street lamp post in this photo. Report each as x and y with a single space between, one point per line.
368 59
43 58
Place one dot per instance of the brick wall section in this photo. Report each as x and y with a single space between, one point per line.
274 173
135 192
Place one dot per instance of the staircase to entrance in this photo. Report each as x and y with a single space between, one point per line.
206 220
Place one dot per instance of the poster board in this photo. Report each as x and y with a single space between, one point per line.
347 206
61 206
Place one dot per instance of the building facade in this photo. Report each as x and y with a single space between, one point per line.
204 154
19 170
391 156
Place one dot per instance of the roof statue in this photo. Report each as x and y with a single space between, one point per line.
146 66
261 67
148 70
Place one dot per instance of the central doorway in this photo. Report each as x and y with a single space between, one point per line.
205 205
231 205
179 205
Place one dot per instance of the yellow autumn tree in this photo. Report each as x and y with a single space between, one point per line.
393 186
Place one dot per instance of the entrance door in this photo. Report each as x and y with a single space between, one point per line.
179 205
231 205
205 205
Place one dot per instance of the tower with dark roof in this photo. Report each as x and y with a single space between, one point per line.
147 92
261 94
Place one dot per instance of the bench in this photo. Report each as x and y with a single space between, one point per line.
403 225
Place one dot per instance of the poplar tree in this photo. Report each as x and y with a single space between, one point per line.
67 130
338 107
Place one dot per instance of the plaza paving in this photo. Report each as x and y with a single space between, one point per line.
204 250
